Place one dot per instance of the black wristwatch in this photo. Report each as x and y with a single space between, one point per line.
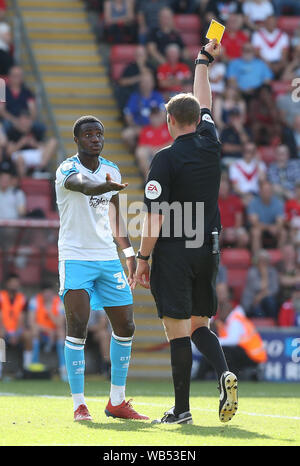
199 61
144 258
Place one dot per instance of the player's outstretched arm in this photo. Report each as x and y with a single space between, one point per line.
202 90
85 185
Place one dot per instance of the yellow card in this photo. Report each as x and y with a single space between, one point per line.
215 31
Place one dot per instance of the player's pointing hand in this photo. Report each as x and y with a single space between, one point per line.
113 186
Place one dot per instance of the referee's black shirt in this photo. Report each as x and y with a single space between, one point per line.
187 172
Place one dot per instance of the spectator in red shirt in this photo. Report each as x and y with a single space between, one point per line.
289 312
174 76
232 213
234 37
152 138
292 206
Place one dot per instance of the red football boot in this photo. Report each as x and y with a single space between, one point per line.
82 414
123 411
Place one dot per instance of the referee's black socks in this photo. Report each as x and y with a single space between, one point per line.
208 344
181 362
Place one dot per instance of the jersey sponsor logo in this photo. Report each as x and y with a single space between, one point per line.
207 117
153 189
95 201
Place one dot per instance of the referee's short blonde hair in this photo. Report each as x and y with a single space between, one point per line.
184 108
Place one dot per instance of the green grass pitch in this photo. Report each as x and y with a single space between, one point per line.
40 413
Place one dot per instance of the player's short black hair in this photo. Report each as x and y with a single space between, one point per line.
82 120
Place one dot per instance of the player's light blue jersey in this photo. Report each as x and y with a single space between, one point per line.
85 232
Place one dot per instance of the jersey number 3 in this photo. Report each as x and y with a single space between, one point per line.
122 279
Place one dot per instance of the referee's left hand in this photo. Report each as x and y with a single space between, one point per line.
142 274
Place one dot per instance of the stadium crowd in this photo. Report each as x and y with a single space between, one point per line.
257 113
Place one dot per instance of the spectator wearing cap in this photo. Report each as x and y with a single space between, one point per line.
259 298
284 173
234 136
265 215
152 138
6 57
19 99
248 72
138 108
12 200
272 45
173 76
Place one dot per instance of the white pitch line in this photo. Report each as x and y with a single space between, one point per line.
102 400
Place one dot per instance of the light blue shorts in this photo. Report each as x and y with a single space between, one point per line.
104 281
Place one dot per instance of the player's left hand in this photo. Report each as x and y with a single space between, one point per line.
131 266
142 275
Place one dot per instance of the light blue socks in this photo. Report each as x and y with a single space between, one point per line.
120 352
75 365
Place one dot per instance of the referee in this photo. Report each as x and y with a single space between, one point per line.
184 242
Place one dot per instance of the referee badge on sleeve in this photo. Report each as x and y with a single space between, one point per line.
207 117
153 189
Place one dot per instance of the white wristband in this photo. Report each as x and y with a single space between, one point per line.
129 252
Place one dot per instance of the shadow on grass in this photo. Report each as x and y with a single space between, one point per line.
233 432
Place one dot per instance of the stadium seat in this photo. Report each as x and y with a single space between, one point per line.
235 258
26 262
288 23
122 53
267 154
236 281
116 70
189 28
53 215
263 321
38 194
275 255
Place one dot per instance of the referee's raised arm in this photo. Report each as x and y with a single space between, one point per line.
202 90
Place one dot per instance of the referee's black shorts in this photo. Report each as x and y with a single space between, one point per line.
183 280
